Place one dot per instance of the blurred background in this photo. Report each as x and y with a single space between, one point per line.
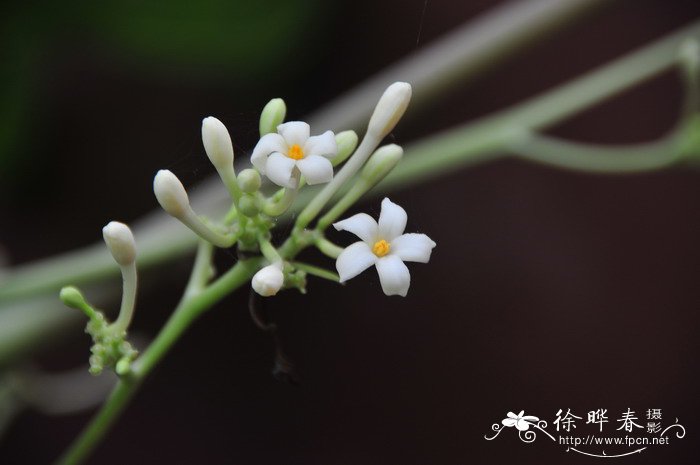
548 289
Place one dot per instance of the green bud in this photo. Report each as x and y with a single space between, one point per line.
383 160
249 205
249 180
73 298
272 116
123 366
347 143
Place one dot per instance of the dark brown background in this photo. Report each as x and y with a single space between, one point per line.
547 289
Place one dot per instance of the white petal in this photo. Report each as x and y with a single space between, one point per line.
362 225
316 169
321 145
508 422
392 220
279 169
512 415
393 275
412 247
269 143
294 132
355 259
530 418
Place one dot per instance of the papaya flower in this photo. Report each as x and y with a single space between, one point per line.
383 245
284 155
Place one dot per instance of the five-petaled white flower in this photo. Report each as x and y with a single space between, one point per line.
383 245
278 155
520 421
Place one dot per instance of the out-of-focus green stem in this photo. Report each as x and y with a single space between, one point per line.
594 158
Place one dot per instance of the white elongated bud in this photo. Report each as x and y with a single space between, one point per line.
389 109
268 280
120 242
272 116
383 160
171 194
217 143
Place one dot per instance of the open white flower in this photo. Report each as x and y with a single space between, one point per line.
383 245
278 155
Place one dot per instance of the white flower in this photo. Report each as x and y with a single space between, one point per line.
268 280
277 155
520 421
383 245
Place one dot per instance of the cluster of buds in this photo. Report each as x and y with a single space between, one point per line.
290 158
110 348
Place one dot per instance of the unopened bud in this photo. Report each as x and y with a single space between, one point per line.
120 242
268 280
249 180
72 297
347 143
389 109
217 143
249 205
272 116
171 194
382 161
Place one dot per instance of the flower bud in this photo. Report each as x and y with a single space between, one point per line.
249 180
268 281
249 205
120 242
389 109
347 143
217 143
272 116
171 194
383 160
72 297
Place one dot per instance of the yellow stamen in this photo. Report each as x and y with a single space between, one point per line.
295 152
381 248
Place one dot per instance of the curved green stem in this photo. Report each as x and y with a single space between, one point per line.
328 248
126 311
599 158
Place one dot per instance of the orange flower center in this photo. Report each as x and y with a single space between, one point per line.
295 152
381 248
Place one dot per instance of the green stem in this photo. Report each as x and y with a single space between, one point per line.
316 271
599 158
186 312
202 270
328 248
126 311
